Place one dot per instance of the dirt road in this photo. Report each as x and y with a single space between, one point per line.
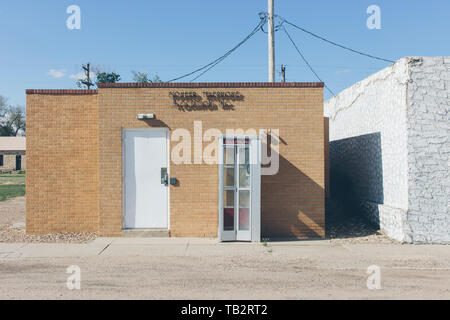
174 268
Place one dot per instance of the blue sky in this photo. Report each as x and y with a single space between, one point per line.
173 37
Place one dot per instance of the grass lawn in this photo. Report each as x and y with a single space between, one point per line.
8 191
11 186
12 178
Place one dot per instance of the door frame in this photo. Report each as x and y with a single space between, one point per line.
124 130
255 193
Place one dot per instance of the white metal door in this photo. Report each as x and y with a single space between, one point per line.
145 192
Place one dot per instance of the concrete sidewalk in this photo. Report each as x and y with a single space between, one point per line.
211 247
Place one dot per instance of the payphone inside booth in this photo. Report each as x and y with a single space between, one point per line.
239 188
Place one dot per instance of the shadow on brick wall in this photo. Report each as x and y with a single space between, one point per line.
156 123
356 176
292 204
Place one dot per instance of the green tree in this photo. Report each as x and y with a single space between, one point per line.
142 77
105 77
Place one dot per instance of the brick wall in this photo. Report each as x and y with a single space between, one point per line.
428 110
62 167
24 162
368 148
390 141
292 201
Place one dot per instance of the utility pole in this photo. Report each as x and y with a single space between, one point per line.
271 38
283 73
87 82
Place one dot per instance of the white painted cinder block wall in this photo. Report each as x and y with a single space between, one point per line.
389 134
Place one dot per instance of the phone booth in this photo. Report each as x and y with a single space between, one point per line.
239 188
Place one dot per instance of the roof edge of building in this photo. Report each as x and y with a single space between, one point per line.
60 91
214 85
187 85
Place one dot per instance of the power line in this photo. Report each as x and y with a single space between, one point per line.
209 66
262 22
306 61
276 27
334 43
219 60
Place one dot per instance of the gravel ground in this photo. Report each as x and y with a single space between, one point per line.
12 227
345 225
17 235
355 230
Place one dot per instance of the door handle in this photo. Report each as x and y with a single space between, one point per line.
164 177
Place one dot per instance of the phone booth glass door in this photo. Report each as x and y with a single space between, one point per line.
239 187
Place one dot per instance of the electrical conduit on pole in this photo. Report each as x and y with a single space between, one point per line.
271 39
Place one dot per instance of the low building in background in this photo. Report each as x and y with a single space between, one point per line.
390 148
12 153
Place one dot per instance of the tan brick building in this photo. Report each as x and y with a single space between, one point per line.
97 160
